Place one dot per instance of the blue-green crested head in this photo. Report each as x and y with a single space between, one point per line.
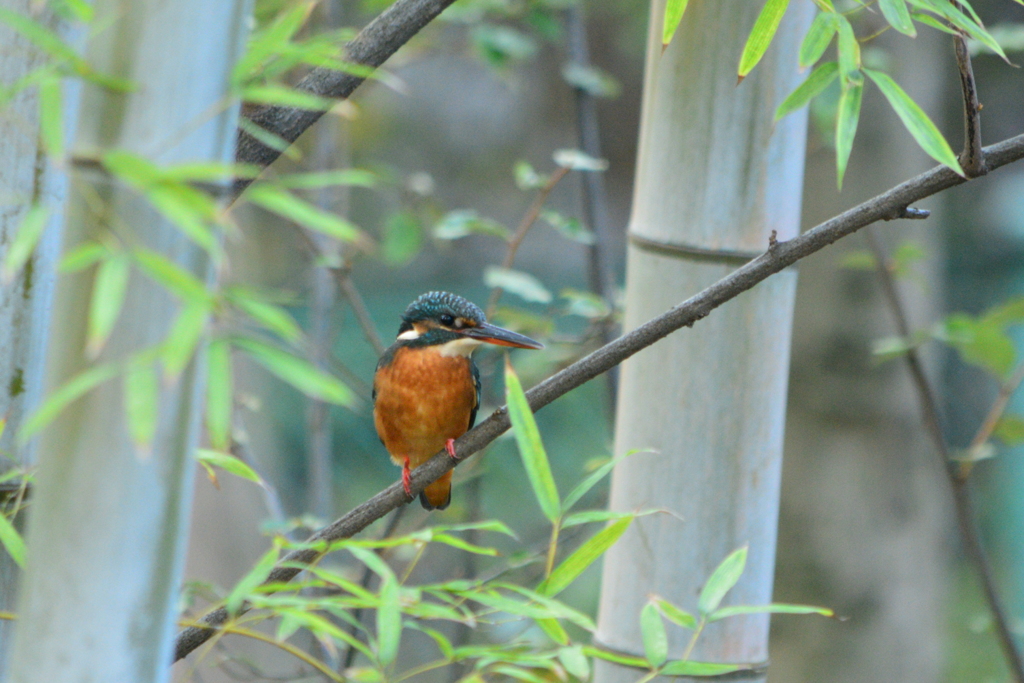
445 308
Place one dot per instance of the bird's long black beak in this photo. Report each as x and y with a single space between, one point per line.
492 334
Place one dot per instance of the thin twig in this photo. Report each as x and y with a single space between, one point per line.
962 503
971 159
699 306
988 425
529 218
348 289
595 198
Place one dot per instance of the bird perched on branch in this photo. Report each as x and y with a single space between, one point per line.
426 389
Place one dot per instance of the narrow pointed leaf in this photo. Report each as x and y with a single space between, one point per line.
180 343
680 617
817 81
916 121
12 541
172 276
652 628
554 630
596 476
531 448
141 392
584 556
818 38
761 35
251 581
73 389
285 204
20 249
108 293
219 394
270 316
229 464
722 580
575 661
51 116
898 16
389 623
689 668
846 125
83 256
774 608
849 51
298 372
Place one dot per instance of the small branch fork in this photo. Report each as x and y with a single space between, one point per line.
699 306
524 227
962 503
972 159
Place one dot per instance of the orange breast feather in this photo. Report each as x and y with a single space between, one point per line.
423 399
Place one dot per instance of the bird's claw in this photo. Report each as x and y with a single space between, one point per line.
449 446
407 479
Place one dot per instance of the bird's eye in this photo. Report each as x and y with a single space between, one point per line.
447 320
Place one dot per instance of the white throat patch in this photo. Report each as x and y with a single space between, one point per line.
459 347
410 334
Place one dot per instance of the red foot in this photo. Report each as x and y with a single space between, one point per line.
406 474
449 446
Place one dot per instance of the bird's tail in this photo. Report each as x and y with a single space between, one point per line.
437 495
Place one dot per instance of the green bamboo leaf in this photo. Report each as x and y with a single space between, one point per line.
172 276
300 373
916 121
818 38
689 668
774 608
285 204
674 10
597 475
591 516
25 241
575 661
389 622
523 285
554 630
279 95
584 556
82 257
108 293
626 660
181 341
971 27
141 396
270 316
722 580
70 391
251 581
219 394
228 463
12 541
898 16
677 616
817 81
761 35
531 448
652 628
348 177
929 20
846 125
848 49
51 116
40 36
271 140
1010 430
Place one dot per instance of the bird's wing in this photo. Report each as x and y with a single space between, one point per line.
476 401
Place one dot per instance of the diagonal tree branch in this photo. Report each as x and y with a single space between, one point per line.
781 255
380 39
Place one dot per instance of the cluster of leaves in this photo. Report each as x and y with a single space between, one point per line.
326 601
830 23
983 341
220 319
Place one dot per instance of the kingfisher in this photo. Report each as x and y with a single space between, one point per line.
426 389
